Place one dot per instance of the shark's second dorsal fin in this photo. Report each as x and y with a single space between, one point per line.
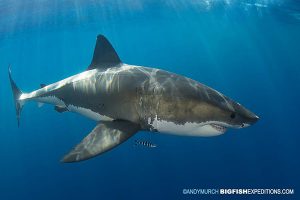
104 55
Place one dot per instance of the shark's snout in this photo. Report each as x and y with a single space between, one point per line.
245 116
253 119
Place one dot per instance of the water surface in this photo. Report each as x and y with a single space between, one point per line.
248 50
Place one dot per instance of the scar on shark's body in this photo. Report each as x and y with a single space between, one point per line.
124 99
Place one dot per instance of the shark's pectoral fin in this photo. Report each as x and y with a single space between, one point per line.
60 109
104 136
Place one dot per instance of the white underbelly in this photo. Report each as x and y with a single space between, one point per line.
80 110
88 113
187 129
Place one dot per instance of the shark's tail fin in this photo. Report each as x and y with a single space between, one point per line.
16 94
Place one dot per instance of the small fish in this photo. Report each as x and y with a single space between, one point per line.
145 143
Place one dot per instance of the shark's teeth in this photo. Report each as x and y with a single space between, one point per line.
219 127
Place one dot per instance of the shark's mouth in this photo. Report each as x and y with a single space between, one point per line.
218 127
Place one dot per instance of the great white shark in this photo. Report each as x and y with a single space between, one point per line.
124 99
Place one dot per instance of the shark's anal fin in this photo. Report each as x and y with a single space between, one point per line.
60 109
105 136
104 55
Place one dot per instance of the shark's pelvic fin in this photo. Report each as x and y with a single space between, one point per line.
104 137
16 94
104 55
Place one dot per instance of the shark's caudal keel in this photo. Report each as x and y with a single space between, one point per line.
124 99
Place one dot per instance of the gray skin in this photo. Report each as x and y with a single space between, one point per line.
138 93
124 99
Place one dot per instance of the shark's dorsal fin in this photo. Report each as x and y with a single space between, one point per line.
104 55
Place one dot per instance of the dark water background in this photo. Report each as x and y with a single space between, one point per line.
248 50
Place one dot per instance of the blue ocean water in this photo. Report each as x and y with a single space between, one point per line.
248 50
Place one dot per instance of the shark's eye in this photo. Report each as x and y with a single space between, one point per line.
232 116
